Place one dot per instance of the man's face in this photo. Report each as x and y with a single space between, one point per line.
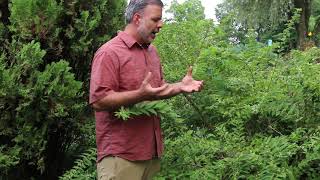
150 23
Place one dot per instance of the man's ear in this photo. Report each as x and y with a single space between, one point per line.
136 18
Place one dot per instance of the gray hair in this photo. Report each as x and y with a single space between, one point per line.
137 5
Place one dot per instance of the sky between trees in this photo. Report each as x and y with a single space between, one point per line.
209 6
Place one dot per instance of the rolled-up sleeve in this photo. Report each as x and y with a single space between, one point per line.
104 76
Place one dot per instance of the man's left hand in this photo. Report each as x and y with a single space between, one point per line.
188 84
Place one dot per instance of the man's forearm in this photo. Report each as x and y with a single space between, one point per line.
115 100
172 90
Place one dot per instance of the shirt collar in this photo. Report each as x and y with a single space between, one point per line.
130 41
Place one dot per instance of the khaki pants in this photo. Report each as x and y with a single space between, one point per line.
115 168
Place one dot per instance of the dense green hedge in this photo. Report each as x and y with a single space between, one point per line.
46 53
258 116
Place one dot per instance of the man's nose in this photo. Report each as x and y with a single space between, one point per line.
160 24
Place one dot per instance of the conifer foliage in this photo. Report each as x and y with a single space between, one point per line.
45 57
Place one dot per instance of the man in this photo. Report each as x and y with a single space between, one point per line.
125 71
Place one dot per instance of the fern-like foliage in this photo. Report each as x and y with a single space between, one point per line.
84 168
157 108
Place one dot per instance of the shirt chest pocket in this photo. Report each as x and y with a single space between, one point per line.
131 75
134 70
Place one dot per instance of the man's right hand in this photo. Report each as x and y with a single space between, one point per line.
149 92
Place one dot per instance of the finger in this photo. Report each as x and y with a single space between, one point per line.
147 78
161 88
201 83
189 71
198 83
199 86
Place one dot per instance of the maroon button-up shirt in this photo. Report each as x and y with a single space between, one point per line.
121 65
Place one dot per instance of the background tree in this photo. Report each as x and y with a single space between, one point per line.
266 16
314 24
256 113
186 11
180 44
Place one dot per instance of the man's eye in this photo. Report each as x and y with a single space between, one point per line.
156 20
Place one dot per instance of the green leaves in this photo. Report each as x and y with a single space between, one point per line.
34 103
254 105
34 19
84 168
156 108
46 53
191 10
210 157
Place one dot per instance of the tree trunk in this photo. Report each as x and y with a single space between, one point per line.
302 26
316 32
4 11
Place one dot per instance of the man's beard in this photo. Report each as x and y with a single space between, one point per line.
145 36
